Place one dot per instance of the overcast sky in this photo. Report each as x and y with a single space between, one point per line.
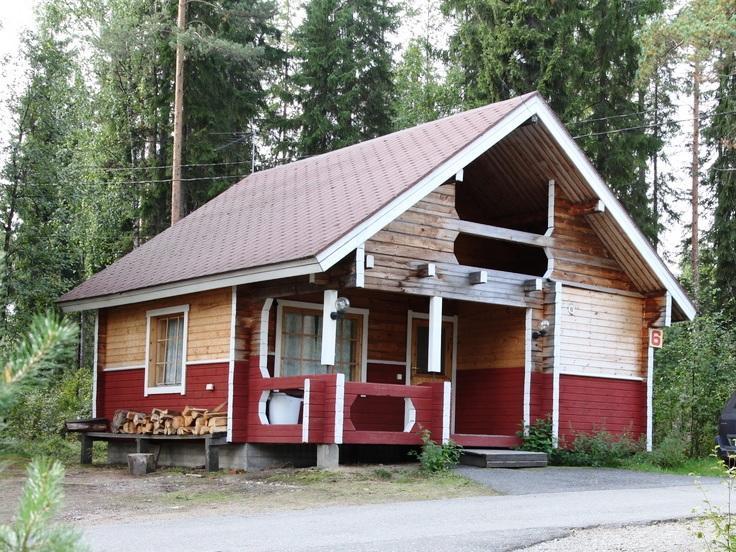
19 17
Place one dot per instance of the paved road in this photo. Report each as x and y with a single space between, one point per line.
558 479
468 524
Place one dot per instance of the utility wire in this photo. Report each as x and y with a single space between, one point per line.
613 131
123 169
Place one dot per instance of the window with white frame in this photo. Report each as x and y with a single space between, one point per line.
166 346
301 343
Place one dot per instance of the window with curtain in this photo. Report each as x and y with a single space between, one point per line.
301 343
168 352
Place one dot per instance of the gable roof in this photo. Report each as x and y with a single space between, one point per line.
303 217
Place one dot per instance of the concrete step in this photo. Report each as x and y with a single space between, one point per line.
498 458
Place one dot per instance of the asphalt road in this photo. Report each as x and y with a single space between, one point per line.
481 523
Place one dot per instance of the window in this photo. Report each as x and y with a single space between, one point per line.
301 343
166 350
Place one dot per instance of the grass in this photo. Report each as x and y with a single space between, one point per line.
705 467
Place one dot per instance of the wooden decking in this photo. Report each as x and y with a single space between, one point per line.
495 458
486 441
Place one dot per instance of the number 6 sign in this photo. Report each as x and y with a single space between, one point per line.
656 338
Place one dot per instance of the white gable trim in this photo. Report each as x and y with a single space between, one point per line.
447 170
535 105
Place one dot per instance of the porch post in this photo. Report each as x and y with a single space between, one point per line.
329 328
434 355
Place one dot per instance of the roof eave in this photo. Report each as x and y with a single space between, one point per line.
247 276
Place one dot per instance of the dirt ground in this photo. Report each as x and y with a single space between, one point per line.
94 493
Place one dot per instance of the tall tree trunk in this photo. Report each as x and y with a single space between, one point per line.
695 182
176 195
655 168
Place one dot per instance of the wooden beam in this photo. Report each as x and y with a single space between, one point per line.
478 277
434 354
550 208
360 266
536 284
589 207
427 270
459 176
503 234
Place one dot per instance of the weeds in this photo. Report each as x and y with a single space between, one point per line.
437 458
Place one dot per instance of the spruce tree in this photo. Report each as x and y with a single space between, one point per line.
721 135
345 80
582 57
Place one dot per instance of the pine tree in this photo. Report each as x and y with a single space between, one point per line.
345 80
582 57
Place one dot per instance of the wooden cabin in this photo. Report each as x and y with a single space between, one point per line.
492 279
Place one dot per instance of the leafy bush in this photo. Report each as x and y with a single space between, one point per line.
671 452
437 458
693 380
34 425
597 449
539 436
722 523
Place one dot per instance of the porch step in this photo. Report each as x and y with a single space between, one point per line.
496 458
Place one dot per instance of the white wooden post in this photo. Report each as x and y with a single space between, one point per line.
434 356
329 328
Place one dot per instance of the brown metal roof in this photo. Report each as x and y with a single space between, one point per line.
293 211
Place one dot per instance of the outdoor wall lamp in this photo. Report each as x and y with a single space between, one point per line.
543 327
342 304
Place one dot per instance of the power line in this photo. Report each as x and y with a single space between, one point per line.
168 180
125 169
640 127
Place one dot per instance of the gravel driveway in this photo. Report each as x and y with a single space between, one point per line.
560 479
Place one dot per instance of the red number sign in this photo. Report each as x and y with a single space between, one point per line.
656 338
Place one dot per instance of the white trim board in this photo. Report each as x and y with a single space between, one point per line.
95 362
527 418
601 375
281 303
556 365
231 364
125 368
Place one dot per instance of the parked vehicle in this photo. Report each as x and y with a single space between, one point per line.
726 438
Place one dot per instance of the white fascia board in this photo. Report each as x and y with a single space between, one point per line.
447 170
622 218
247 276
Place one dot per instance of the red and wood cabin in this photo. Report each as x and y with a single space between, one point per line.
492 277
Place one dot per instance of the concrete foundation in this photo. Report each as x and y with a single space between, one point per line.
328 456
232 456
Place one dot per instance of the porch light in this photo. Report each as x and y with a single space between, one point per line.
543 327
342 304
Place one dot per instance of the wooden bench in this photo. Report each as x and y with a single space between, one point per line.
143 443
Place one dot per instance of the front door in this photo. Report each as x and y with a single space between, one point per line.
420 352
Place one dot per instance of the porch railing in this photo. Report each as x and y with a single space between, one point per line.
334 411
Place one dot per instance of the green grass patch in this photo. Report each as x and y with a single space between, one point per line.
704 467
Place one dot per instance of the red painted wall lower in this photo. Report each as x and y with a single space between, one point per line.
590 404
124 389
380 413
489 401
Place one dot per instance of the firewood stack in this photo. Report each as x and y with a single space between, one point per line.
190 421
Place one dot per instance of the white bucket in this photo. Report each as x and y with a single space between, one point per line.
283 409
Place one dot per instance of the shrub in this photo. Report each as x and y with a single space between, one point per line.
34 425
539 436
597 449
671 452
437 458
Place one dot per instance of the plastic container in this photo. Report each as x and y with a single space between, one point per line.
283 409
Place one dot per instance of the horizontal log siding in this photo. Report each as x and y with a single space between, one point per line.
594 404
124 328
490 337
579 254
601 333
124 390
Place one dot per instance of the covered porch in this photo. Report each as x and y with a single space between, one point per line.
403 364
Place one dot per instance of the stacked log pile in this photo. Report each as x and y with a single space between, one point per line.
190 421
